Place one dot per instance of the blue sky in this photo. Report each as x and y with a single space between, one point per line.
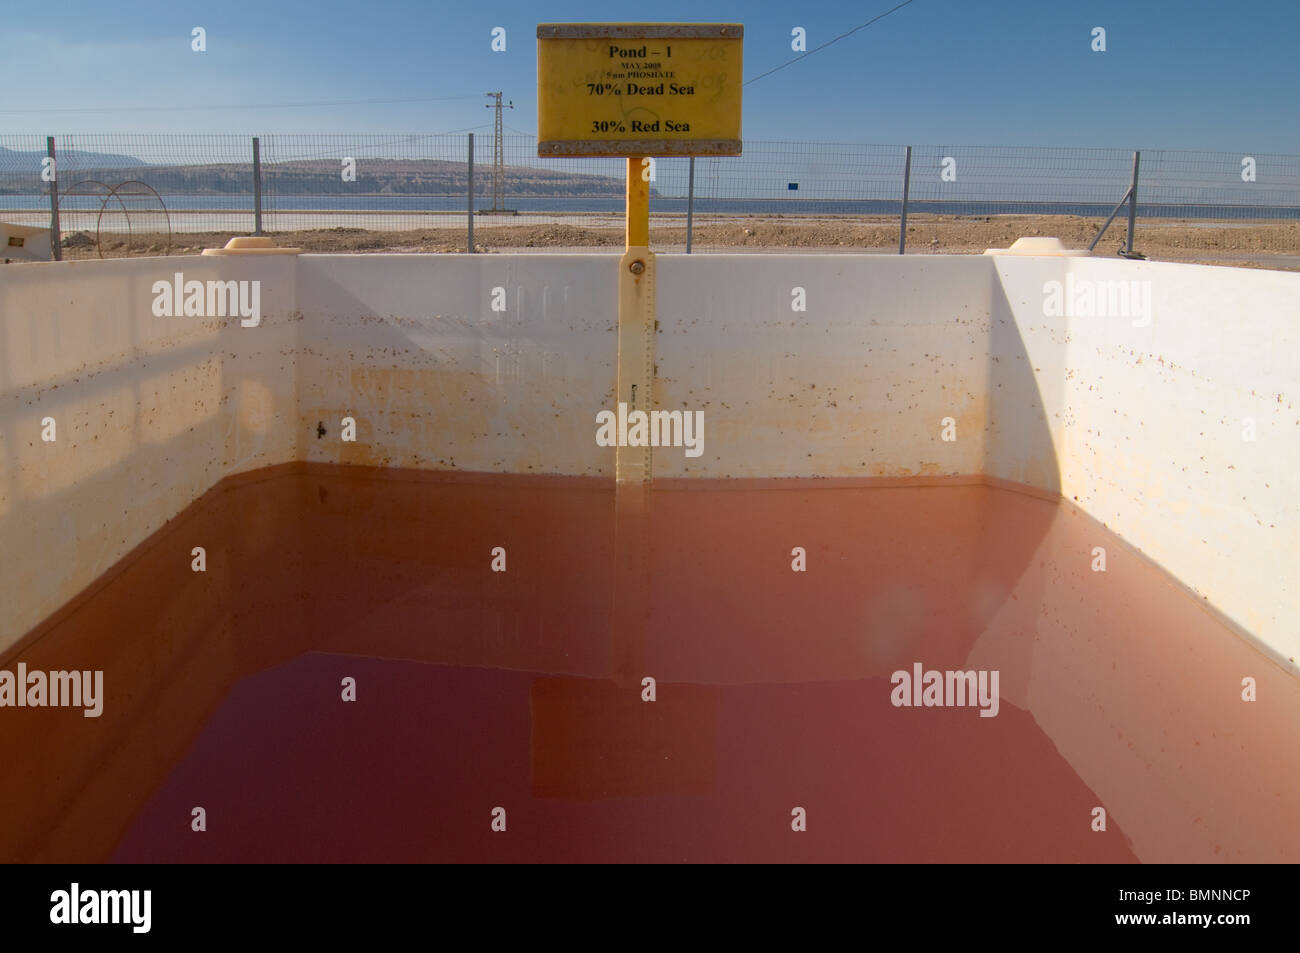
1177 74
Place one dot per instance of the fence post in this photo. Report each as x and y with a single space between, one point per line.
690 204
56 243
469 240
1132 203
907 187
257 186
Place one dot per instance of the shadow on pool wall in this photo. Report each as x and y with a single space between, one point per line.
928 566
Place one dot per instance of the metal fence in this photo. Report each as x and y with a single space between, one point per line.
111 195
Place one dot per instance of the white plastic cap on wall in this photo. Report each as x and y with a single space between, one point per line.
251 245
1050 247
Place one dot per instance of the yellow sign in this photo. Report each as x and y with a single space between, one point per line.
639 89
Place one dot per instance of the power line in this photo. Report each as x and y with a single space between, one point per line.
354 149
147 109
815 49
449 132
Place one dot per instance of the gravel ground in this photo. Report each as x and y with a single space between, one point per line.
1262 245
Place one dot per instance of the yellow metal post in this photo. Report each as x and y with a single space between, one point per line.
638 203
586 107
632 465
636 322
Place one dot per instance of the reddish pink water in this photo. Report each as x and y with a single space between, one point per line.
412 771
522 690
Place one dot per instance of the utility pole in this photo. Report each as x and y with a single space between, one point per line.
498 155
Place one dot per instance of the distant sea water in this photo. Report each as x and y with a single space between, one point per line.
614 205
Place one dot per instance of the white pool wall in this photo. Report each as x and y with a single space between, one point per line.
1151 423
1142 426
149 412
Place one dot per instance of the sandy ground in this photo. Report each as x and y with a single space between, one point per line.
1262 244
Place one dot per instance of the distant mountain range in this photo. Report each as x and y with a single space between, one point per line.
12 160
301 177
